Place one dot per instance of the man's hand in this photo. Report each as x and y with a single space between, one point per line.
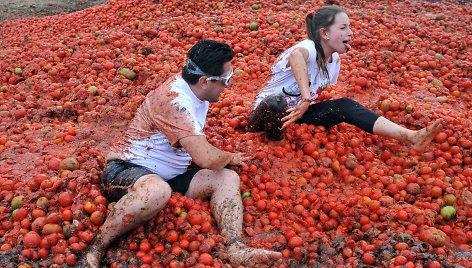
208 156
238 159
294 114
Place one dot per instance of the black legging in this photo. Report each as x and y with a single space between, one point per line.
266 117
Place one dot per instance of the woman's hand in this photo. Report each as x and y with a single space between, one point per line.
294 114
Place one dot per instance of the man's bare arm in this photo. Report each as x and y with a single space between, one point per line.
208 156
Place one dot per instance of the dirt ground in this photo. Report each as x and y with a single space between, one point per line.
14 9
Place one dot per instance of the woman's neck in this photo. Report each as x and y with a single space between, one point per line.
327 51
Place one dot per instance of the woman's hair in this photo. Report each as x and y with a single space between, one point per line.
323 18
209 56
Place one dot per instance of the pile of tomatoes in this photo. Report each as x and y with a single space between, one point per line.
71 83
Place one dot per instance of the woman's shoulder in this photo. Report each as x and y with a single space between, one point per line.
307 43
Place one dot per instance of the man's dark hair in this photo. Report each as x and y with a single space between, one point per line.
209 56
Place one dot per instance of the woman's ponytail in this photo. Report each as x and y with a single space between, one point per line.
310 26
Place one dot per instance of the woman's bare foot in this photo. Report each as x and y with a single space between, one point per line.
240 254
424 136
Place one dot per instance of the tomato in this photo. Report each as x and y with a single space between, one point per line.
368 258
31 240
436 192
67 215
434 264
194 217
309 148
90 207
205 227
71 259
86 236
97 218
205 259
50 228
65 199
193 246
145 246
295 241
400 260
172 236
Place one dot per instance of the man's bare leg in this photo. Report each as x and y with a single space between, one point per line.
143 201
419 139
227 208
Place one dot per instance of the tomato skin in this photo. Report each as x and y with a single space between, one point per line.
205 259
97 218
71 259
194 217
172 236
402 215
145 246
31 240
368 258
295 241
434 264
66 199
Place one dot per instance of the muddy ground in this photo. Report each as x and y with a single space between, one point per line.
15 9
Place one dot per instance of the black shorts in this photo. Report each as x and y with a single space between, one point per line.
119 175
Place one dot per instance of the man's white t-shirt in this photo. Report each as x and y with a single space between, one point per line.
168 114
282 81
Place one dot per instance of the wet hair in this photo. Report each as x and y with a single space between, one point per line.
323 18
209 56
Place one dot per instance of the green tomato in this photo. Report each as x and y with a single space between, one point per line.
245 194
14 213
18 71
92 90
253 26
255 6
448 212
128 73
17 202
409 108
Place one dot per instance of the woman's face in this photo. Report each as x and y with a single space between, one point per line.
338 35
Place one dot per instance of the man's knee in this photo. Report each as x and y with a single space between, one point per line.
227 178
231 177
154 188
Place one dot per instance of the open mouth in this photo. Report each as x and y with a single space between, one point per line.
346 43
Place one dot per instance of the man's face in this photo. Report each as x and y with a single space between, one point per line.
215 87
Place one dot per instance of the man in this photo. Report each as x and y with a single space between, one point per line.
163 139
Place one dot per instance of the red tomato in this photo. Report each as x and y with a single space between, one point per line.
145 246
31 240
65 199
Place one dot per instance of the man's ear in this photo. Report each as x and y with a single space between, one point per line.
202 82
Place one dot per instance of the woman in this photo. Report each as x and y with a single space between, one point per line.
303 71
